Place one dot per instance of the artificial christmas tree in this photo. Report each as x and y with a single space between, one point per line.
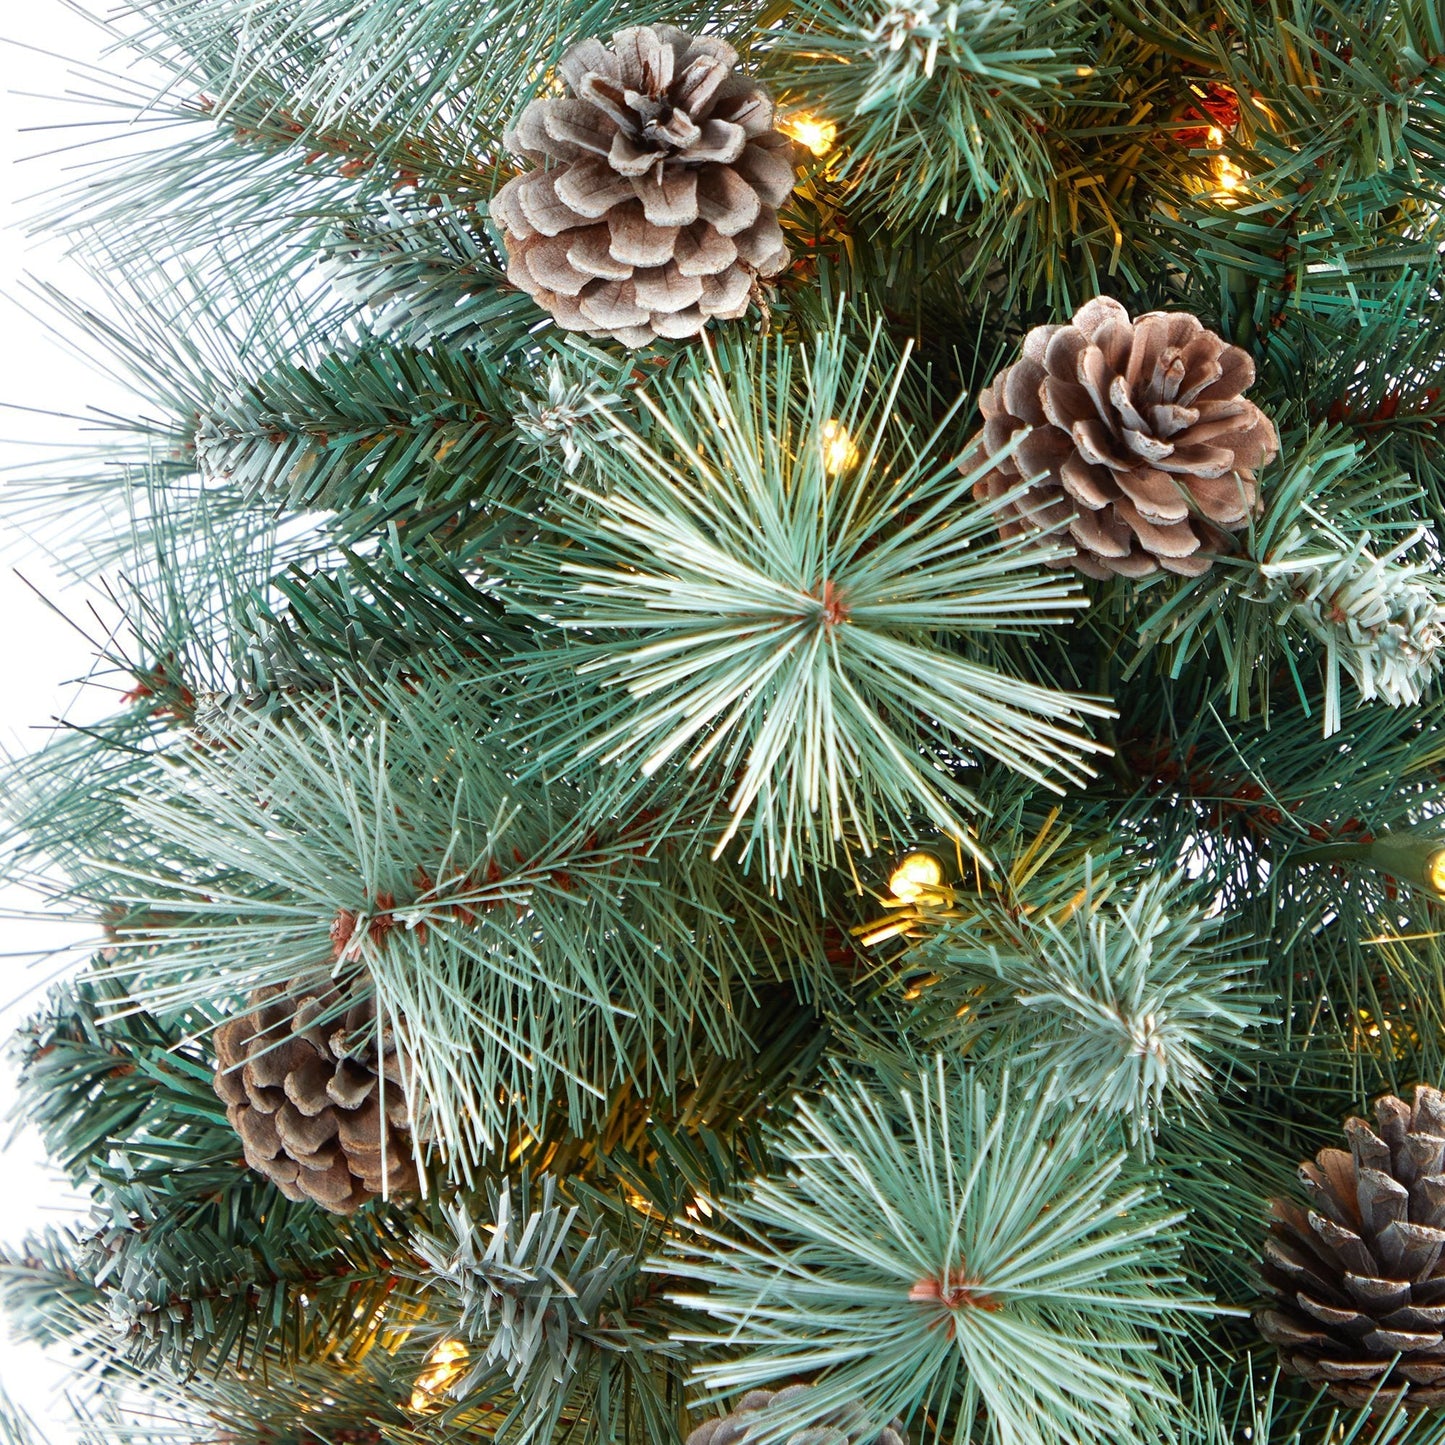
776 748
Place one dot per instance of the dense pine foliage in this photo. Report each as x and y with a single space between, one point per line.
815 933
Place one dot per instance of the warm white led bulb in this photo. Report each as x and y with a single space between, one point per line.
1435 872
839 453
916 874
817 135
444 1367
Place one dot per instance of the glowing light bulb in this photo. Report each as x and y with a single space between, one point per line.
1435 872
1230 175
916 874
817 135
444 1367
839 453
642 1204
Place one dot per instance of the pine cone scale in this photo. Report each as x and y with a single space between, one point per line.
1377 1295
1165 540
263 1100
549 264
1344 1319
668 201
636 242
305 1085
544 210
590 189
566 123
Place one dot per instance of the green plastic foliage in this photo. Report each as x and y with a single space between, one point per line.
390 426
46 1296
527 955
1126 998
190 1262
16 1427
1252 1402
293 117
1033 154
284 1413
427 277
1340 152
118 1096
446 661
396 609
1306 581
767 588
898 1253
552 1301
396 69
1126 1005
940 103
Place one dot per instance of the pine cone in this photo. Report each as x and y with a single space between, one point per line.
1142 442
837 1427
1358 1278
655 205
307 1097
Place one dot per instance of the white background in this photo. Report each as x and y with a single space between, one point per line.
41 654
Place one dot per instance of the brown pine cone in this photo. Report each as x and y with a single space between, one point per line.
1357 1277
837 1427
317 1104
654 205
1143 448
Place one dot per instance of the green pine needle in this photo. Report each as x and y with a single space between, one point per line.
941 101
899 1256
528 957
1125 1005
791 592
543 1294
1122 991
